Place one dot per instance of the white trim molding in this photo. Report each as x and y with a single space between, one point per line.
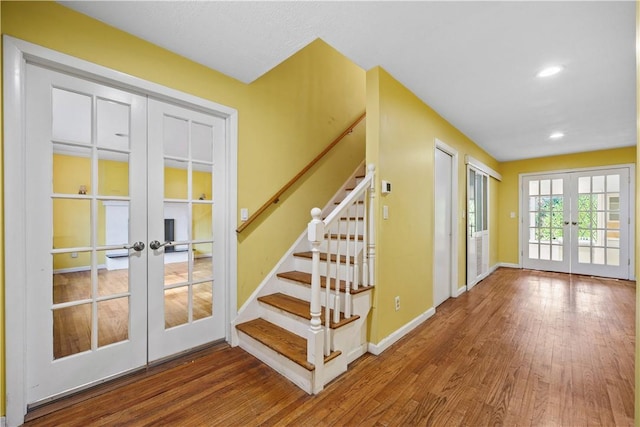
469 160
16 54
388 341
440 145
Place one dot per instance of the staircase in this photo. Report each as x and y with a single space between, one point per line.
308 319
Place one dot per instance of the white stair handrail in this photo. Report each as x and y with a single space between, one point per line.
355 274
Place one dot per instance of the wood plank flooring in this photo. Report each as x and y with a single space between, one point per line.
521 348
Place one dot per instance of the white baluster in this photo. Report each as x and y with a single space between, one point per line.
347 278
371 252
327 299
356 244
315 342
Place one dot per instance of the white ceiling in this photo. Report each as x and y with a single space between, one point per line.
475 62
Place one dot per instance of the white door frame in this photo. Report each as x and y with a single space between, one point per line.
632 204
440 145
15 56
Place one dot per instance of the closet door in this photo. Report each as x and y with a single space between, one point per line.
186 250
86 286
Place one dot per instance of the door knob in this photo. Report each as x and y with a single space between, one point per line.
137 246
566 223
154 244
574 223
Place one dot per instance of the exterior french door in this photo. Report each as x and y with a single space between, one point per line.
121 232
578 222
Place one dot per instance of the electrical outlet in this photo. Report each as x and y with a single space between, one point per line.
397 303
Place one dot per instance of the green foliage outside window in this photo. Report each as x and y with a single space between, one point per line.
550 217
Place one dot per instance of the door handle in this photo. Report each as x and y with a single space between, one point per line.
566 223
154 244
574 222
137 246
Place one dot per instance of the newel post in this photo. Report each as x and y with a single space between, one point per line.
315 342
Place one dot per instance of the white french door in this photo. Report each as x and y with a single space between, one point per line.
125 255
578 222
186 294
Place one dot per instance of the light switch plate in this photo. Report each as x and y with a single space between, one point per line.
244 214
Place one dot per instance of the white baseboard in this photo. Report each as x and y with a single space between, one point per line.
460 291
3 422
508 265
387 342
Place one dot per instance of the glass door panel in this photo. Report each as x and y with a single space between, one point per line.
83 330
182 282
546 210
600 228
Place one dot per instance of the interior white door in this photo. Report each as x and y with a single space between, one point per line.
578 222
86 149
443 232
186 255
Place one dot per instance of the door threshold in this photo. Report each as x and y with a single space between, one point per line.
41 409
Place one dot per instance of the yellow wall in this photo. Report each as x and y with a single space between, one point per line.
296 110
401 134
2 359
285 118
508 201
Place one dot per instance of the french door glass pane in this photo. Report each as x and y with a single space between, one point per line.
202 300
71 330
113 124
71 169
71 285
113 321
202 142
176 306
113 173
71 114
176 137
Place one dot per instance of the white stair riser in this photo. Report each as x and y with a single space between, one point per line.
304 265
361 302
288 321
351 226
341 245
355 210
336 367
289 369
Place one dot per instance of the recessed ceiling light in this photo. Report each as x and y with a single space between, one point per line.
556 135
550 71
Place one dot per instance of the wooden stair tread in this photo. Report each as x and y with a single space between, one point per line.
323 257
305 278
283 342
302 308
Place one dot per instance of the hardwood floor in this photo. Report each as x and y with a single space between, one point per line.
521 348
